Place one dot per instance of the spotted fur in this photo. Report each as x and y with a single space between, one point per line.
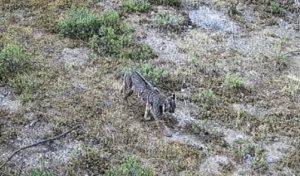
156 103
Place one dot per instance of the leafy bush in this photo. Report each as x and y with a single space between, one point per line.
12 60
233 81
166 2
37 172
112 36
136 5
79 22
151 72
130 166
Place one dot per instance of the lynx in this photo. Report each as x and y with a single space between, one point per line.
156 103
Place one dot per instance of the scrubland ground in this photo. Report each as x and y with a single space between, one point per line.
234 66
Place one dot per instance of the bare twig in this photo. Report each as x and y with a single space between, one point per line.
38 143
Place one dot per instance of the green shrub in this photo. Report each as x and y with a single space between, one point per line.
166 20
111 18
130 166
233 81
112 36
166 2
205 98
12 60
110 41
151 72
136 5
139 52
79 22
208 95
37 172
275 7
21 83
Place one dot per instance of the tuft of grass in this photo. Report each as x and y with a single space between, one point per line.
280 59
140 53
136 5
37 172
90 159
79 23
12 60
233 81
243 149
175 3
208 96
21 83
275 7
130 166
151 72
165 20
205 97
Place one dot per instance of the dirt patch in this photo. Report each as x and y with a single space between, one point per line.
212 20
8 101
42 156
214 165
276 151
74 57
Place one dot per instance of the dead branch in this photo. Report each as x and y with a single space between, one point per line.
38 143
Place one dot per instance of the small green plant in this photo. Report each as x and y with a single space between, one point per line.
79 23
150 72
243 149
205 97
136 5
208 96
175 3
139 52
111 18
130 166
37 172
166 20
275 7
89 159
113 36
12 60
233 81
113 41
280 59
21 83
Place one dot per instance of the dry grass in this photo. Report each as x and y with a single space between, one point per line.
88 94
